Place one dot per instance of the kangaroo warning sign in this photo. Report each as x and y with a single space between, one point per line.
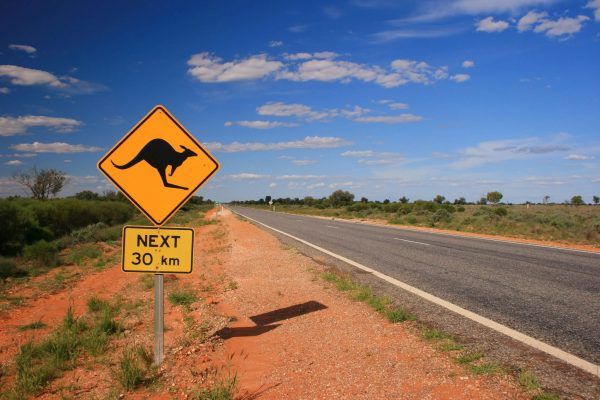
158 165
158 250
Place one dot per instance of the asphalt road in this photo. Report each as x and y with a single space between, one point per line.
550 294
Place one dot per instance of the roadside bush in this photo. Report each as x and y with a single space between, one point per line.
356 207
441 215
501 211
391 207
460 209
42 254
88 233
9 269
17 222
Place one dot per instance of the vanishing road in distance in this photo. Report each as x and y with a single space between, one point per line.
550 294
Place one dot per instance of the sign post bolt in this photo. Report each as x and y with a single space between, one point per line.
159 298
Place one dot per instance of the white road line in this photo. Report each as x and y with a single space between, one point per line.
333 227
516 335
412 241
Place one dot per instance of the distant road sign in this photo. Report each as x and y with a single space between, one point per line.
158 250
158 165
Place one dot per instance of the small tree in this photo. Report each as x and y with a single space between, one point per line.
460 201
439 199
267 199
546 199
577 200
364 200
87 195
494 197
482 201
341 198
596 199
403 200
41 183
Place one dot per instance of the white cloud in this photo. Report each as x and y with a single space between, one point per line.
4 90
23 47
528 20
390 119
208 68
397 34
578 157
295 177
303 162
489 25
261 124
275 43
324 55
10 126
594 5
309 142
370 157
56 147
460 78
14 162
22 76
244 176
272 185
398 106
297 28
468 64
26 76
512 149
561 26
321 66
279 109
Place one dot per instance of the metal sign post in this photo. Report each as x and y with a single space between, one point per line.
159 322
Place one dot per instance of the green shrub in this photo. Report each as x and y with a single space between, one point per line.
9 269
88 251
182 298
133 367
501 211
87 233
42 254
441 215
460 209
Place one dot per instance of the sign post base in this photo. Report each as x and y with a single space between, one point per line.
159 306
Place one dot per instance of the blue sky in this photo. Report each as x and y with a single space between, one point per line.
382 98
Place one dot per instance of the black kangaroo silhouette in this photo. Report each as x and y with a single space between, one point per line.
160 154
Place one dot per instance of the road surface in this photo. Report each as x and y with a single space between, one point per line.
550 294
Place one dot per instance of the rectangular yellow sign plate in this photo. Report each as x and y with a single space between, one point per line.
158 250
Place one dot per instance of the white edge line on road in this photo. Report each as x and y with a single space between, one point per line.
412 241
403 228
516 335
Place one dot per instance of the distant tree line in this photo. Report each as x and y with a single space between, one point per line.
340 198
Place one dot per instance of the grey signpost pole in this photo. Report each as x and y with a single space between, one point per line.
159 298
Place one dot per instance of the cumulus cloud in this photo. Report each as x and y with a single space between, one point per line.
460 78
490 25
390 119
208 68
528 20
594 5
468 64
320 66
56 147
578 157
10 126
561 27
13 162
309 142
275 43
22 76
4 90
261 124
23 47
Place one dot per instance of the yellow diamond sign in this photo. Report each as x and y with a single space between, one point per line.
158 165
